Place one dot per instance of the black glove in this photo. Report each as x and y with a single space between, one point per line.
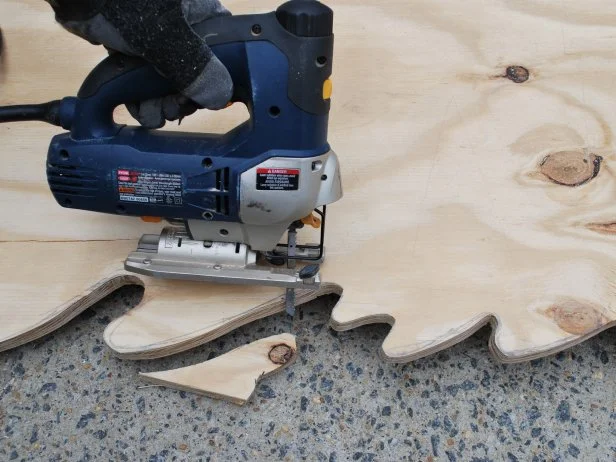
160 32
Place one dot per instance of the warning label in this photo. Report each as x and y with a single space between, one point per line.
158 188
278 179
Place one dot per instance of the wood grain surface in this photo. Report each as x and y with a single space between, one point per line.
232 376
478 160
478 167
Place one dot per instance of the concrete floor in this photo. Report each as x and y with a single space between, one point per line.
66 397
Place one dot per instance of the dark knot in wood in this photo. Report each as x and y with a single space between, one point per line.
517 74
571 168
281 354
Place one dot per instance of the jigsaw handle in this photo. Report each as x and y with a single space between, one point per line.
280 64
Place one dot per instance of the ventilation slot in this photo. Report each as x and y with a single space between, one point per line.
72 181
225 184
222 179
222 205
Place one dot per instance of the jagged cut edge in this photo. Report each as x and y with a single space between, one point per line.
64 313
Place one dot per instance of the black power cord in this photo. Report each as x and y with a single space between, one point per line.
45 112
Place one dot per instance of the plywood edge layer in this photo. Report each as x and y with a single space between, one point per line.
177 344
61 315
422 350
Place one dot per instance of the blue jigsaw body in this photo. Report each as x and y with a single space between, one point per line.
230 198
188 175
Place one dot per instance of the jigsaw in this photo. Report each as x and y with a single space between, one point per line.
229 199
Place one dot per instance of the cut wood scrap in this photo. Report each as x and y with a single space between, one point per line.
232 376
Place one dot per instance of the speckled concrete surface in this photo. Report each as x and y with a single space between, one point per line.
66 397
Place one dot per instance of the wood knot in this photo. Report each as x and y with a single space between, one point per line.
517 74
575 317
602 228
571 168
281 354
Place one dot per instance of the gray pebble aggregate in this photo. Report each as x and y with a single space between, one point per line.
66 397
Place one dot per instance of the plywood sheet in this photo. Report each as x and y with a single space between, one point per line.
472 194
57 262
476 140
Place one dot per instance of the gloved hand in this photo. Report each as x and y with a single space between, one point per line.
160 32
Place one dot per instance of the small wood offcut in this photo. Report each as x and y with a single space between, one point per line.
232 376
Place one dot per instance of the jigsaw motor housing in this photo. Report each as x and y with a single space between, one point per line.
247 185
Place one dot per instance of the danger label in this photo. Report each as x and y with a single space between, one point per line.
158 188
278 179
